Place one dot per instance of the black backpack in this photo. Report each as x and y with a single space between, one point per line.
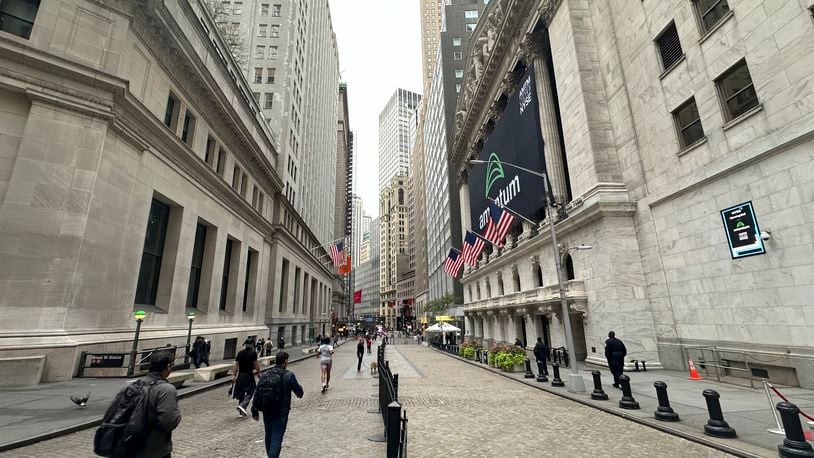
270 390
125 424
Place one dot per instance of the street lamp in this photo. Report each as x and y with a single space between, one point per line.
191 318
139 315
576 383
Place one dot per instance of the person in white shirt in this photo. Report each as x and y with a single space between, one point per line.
325 354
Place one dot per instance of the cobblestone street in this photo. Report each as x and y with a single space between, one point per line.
454 409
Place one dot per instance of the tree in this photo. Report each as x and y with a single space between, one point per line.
229 31
440 306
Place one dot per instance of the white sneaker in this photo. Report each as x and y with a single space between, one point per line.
242 411
324 386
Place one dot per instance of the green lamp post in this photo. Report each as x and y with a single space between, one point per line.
139 315
191 318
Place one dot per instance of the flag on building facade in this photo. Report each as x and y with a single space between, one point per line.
345 268
472 247
453 263
337 252
498 225
357 297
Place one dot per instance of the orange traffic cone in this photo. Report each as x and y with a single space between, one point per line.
693 371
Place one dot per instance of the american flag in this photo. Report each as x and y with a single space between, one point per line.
453 263
498 224
472 248
338 253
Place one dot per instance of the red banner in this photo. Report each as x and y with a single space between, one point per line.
344 269
357 297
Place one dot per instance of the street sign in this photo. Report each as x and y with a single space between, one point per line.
106 359
742 231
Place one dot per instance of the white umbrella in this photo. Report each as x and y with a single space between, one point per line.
444 328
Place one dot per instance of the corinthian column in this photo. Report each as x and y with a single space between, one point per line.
555 169
463 190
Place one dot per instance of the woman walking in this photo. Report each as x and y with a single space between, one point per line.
325 354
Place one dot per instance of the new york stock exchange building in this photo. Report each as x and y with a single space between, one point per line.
676 138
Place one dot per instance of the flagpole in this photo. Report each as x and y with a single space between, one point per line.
514 212
482 237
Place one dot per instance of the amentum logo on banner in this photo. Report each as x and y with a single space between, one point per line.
516 139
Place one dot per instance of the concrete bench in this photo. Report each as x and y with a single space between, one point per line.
309 350
177 379
207 374
265 360
21 370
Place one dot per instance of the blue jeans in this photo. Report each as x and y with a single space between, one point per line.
275 429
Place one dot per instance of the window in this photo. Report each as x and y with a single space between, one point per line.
710 12
249 259
224 285
669 47
171 113
737 91
458 88
471 26
275 31
471 14
221 162
256 96
459 73
236 177
688 123
154 238
227 7
264 9
262 30
283 285
296 289
269 101
197 266
270 74
258 75
456 41
272 52
17 16
188 132
457 55
276 10
260 52
210 151
237 8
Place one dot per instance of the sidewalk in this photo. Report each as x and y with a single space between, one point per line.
37 413
745 409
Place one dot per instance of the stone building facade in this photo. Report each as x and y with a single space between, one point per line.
137 173
656 116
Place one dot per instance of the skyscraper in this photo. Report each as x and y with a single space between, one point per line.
393 243
431 18
361 224
394 133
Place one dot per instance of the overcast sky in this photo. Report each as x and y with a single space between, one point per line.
379 51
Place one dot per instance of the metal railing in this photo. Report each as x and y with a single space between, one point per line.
710 358
560 356
395 425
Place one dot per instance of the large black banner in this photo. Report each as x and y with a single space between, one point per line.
516 139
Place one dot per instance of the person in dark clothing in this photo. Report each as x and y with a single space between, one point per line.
541 354
205 357
243 382
615 353
275 418
198 350
360 352
369 344
281 342
518 343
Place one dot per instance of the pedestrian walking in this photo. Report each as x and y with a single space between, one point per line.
325 354
258 347
149 430
207 348
369 344
615 353
273 398
243 382
198 350
541 354
281 342
269 346
360 353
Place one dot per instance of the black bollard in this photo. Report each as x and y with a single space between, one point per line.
556 381
664 412
529 373
644 366
716 425
635 365
541 372
598 394
794 445
627 401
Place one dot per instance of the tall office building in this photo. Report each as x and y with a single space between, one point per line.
393 243
431 14
367 275
343 210
361 224
418 211
293 67
394 133
443 221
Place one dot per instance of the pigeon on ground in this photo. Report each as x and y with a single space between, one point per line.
80 400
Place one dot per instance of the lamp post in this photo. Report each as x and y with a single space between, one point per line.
576 383
139 316
191 318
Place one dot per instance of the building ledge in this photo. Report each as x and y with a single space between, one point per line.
544 299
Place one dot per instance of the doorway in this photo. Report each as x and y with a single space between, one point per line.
578 328
229 348
520 330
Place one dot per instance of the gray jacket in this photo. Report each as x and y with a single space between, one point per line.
164 417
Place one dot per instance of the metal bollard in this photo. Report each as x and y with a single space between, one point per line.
664 412
556 381
644 366
716 425
794 445
627 401
393 429
598 393
529 373
635 365
542 372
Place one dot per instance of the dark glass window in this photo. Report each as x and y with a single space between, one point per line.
569 268
688 122
189 128
17 16
246 282
224 287
153 251
737 90
221 161
197 266
171 112
669 47
283 285
711 11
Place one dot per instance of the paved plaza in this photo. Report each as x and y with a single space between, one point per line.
453 408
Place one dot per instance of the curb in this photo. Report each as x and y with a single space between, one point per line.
703 440
92 423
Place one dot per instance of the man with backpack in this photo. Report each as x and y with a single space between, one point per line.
140 421
273 398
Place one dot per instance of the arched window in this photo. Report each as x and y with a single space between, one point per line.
500 286
538 276
516 278
488 290
569 267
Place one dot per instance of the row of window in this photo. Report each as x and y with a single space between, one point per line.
309 292
268 30
236 8
270 74
260 52
537 278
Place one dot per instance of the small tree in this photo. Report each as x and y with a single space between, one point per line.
440 306
229 31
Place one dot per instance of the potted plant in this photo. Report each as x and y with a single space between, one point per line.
510 358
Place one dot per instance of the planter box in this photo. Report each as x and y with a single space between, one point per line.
515 368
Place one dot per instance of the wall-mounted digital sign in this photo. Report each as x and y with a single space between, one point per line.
742 231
